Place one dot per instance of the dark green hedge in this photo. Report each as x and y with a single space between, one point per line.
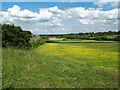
14 36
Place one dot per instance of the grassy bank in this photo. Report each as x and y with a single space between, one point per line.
62 65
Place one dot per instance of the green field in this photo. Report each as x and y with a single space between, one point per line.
82 41
112 36
62 65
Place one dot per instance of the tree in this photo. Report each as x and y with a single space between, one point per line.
14 36
117 38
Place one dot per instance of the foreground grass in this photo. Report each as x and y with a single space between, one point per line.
62 65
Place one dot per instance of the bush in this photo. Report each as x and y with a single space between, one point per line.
38 42
117 38
14 36
104 38
97 38
101 38
64 39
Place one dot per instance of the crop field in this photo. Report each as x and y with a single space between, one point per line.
62 65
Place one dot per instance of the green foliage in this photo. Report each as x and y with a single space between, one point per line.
65 39
117 38
101 38
14 36
38 42
110 36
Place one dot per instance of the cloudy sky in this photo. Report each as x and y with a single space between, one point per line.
62 17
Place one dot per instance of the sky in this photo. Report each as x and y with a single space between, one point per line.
61 17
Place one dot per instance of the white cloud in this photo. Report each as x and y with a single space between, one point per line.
114 3
53 19
89 16
44 15
55 10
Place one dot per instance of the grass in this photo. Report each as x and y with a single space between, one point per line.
62 65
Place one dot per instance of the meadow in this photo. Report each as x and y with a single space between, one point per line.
62 65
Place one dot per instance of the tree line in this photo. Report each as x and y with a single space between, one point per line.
14 36
88 36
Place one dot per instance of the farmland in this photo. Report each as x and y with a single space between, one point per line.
62 65
59 45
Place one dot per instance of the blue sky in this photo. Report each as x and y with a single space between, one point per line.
48 0
34 6
60 17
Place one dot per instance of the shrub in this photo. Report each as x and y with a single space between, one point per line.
65 39
15 36
38 42
117 38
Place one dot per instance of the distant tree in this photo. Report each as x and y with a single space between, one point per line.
117 38
118 32
104 38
